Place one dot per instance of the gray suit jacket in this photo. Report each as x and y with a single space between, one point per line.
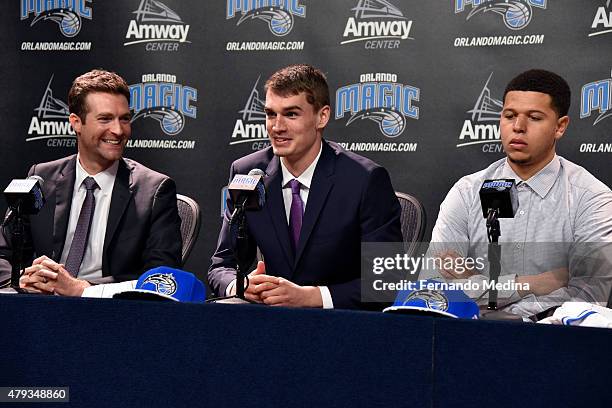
143 229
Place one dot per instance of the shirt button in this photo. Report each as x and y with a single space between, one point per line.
518 246
522 212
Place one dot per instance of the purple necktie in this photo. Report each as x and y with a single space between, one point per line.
81 233
296 213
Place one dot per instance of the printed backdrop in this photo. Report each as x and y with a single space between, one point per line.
416 84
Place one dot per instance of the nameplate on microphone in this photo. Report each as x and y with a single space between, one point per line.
20 186
247 190
243 182
499 185
25 194
500 195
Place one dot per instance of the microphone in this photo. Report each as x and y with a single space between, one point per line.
24 196
498 199
248 191
500 196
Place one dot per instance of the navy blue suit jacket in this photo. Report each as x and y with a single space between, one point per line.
351 201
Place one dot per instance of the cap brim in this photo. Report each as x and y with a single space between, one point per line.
143 294
416 310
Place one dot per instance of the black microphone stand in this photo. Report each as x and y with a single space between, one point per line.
241 252
238 224
494 252
242 247
17 243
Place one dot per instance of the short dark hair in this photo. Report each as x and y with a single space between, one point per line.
298 78
97 80
539 80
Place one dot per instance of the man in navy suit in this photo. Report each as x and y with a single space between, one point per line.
133 218
310 230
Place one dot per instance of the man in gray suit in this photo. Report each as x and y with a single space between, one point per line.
107 218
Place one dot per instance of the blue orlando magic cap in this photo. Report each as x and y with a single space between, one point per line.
431 297
164 283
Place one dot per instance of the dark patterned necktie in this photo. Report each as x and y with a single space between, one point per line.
296 213
81 233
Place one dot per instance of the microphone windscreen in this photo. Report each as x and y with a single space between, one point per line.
261 188
500 195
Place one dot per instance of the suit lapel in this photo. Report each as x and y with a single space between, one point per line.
122 192
275 206
322 183
64 187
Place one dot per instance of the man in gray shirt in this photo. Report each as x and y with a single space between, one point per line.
556 249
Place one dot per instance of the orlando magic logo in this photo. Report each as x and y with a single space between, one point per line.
170 120
159 97
596 96
51 119
379 23
391 123
67 14
431 299
516 14
483 127
278 14
381 99
164 283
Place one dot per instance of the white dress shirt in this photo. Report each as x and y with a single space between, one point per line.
305 180
91 266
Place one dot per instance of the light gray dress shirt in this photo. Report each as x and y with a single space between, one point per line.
564 220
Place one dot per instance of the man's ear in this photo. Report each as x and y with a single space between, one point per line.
323 117
562 124
75 122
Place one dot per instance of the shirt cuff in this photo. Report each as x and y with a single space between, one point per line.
328 303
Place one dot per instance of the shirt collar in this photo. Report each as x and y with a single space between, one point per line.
305 178
542 181
105 179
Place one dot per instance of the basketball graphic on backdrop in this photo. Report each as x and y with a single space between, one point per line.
70 25
517 16
392 124
281 23
172 122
